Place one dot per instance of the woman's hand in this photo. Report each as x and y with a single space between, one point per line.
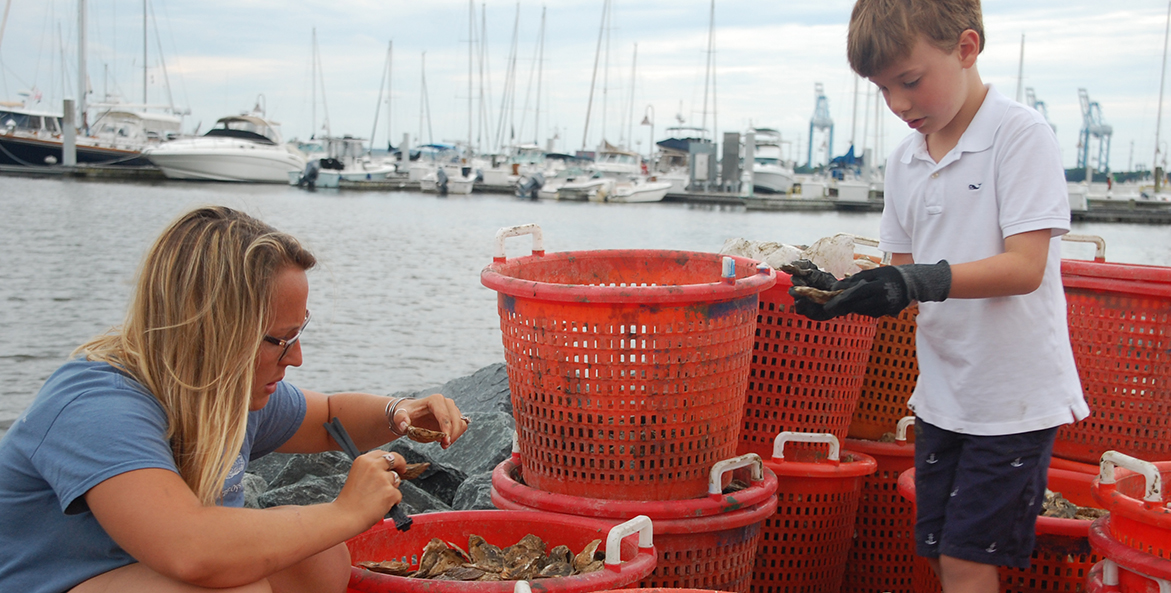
434 412
372 486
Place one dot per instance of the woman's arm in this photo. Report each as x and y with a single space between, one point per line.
154 515
364 417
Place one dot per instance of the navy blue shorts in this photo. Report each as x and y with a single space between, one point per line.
978 497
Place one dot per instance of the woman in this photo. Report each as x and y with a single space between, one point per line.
125 474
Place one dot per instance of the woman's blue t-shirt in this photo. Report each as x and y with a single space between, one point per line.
91 422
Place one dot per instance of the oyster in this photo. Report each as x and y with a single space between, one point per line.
430 557
413 470
463 573
584 561
816 295
423 435
391 567
485 555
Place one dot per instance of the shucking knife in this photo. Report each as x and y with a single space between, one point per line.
334 427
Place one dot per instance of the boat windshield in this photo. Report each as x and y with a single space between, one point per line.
618 158
247 129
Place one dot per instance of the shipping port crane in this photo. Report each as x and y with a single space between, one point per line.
1031 101
1092 127
820 121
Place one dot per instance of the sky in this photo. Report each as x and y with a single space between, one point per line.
217 58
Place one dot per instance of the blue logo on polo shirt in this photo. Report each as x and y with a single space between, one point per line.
974 186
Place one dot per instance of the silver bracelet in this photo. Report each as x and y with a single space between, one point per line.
391 407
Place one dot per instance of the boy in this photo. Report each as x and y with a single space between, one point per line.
980 191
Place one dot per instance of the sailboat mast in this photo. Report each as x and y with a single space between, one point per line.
540 69
630 111
81 78
144 46
378 105
1159 118
707 76
313 85
471 20
593 79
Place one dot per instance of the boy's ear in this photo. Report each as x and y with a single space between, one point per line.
969 47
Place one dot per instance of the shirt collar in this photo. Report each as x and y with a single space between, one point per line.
979 135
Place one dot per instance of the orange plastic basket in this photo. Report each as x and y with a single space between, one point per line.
891 374
628 558
805 375
806 544
707 542
1119 320
884 545
1106 577
1062 556
1138 503
627 367
1127 569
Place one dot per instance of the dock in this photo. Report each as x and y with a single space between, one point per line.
1097 210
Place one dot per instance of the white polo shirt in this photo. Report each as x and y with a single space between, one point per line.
997 365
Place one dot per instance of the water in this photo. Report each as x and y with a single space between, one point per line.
397 301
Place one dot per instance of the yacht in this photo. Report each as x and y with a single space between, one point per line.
242 148
771 174
33 138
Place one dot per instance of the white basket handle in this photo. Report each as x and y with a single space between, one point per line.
1154 483
806 437
901 428
516 231
716 476
869 242
1099 243
1110 576
522 587
640 524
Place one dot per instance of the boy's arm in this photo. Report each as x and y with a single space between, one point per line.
1018 270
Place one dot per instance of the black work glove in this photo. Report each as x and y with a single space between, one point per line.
882 291
806 273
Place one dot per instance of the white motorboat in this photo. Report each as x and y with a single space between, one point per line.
771 174
245 148
344 159
617 177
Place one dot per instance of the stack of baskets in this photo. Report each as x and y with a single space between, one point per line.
1118 319
627 370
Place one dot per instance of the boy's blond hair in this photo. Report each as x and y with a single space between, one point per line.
883 31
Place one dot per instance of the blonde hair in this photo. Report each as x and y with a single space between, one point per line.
884 31
193 331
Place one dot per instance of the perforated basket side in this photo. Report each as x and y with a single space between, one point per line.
891 374
805 375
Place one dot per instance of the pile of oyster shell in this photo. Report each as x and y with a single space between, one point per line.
523 561
1056 505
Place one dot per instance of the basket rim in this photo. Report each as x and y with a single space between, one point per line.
512 489
1116 277
1146 565
496 277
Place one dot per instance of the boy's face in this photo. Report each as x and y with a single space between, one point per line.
928 87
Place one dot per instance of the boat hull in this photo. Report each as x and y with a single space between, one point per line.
243 164
41 152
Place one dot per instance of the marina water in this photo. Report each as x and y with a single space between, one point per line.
396 298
